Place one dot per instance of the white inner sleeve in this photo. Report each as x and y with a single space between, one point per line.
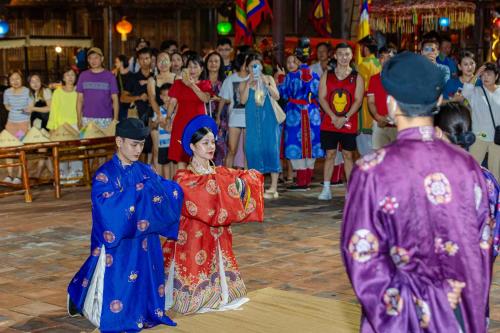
169 294
93 301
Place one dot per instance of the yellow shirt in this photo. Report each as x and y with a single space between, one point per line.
62 109
367 68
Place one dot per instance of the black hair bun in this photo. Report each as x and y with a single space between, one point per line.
465 140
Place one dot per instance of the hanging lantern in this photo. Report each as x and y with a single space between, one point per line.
224 28
124 27
444 22
4 28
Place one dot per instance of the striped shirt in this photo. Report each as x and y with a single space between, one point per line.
17 103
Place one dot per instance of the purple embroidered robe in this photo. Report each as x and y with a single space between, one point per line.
417 215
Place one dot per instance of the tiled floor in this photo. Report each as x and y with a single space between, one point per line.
44 243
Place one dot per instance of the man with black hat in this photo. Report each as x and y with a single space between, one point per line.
416 237
121 286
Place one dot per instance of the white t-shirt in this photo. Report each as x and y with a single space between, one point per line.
482 124
230 91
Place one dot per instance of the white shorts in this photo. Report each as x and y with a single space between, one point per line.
237 118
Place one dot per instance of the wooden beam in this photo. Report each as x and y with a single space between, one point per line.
278 33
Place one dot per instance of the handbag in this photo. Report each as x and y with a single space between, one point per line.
278 111
496 138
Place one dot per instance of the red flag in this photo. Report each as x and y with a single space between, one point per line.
320 17
242 32
256 10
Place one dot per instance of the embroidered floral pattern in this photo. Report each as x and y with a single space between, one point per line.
96 252
200 257
393 302
132 277
222 217
182 237
159 313
232 190
389 205
216 232
108 236
487 234
107 195
157 199
142 225
438 188
109 260
400 256
191 208
363 245
448 247
251 206
139 186
241 215
161 290
145 244
175 194
85 283
211 187
369 161
102 178
423 312
116 306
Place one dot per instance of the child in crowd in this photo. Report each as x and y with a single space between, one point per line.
167 170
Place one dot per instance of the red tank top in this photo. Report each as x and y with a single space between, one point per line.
340 96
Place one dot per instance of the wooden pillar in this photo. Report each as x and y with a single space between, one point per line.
278 33
110 37
197 31
105 25
178 25
296 16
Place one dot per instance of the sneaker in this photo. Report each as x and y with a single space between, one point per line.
7 179
271 195
325 194
297 188
17 181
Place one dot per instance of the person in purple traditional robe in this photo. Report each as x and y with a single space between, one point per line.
417 232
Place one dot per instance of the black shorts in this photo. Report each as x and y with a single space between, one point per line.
163 156
330 140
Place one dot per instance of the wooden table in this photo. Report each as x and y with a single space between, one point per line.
80 150
75 150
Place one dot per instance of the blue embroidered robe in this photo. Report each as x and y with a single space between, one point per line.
120 288
303 117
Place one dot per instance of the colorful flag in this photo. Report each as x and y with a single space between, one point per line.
320 17
364 26
256 10
242 32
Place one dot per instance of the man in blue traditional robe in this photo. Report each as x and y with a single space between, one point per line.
121 285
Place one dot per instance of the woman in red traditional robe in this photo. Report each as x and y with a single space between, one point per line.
202 272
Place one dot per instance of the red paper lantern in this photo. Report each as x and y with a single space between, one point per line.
124 27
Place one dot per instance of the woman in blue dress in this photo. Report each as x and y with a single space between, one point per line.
263 132
303 119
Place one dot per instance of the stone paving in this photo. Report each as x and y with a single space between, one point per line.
45 242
